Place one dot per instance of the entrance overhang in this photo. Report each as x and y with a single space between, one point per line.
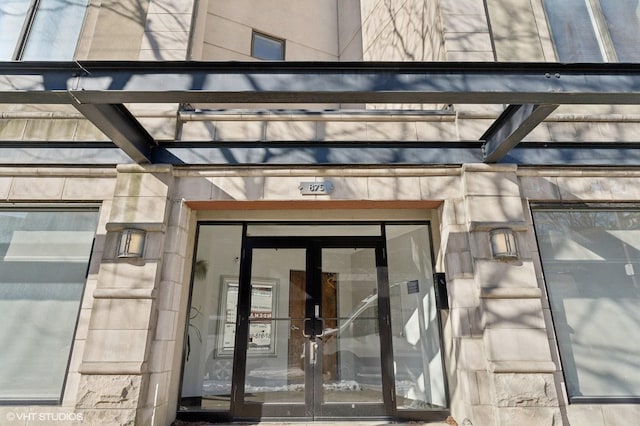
100 90
282 205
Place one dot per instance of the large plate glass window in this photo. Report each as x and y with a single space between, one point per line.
591 260
40 29
210 331
44 256
415 323
595 30
313 320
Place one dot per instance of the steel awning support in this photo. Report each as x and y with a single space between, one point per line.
119 125
100 89
515 122
320 82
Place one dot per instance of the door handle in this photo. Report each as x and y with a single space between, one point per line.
321 327
305 323
310 328
314 353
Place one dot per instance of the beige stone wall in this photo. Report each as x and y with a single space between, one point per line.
64 186
466 31
515 31
409 30
319 127
136 29
501 356
569 186
128 17
349 30
309 28
500 349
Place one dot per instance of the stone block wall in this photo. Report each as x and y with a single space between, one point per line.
504 372
466 31
57 186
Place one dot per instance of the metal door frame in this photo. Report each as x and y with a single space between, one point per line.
313 408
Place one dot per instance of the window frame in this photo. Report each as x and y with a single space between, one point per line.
606 46
59 208
258 34
27 27
568 207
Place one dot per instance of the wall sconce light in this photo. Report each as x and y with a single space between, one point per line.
503 244
131 243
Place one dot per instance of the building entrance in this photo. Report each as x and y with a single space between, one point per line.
315 322
338 317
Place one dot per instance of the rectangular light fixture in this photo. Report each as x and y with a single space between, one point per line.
503 244
131 244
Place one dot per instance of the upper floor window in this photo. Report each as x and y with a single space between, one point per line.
267 47
45 30
595 30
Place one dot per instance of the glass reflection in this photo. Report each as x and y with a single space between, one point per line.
415 327
590 259
208 358
276 346
351 364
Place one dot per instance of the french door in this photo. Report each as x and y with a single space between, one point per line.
320 345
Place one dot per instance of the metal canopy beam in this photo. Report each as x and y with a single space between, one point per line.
289 154
99 89
119 125
326 82
515 122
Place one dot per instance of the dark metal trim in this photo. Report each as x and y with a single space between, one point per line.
119 125
98 89
116 82
297 154
604 399
515 122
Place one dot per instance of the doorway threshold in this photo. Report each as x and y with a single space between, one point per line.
346 422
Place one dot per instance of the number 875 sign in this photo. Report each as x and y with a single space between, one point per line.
315 188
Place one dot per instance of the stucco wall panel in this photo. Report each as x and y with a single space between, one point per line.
312 34
127 276
409 30
81 188
594 188
12 129
5 186
61 130
37 188
491 273
115 346
587 415
493 209
539 188
516 345
514 31
129 17
491 183
541 416
440 187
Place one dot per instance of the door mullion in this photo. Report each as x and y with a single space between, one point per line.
242 333
314 311
384 326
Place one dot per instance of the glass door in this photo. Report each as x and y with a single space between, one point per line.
309 333
348 376
307 320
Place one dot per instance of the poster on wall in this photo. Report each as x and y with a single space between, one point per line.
261 330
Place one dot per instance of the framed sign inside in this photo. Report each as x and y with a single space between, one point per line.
262 330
